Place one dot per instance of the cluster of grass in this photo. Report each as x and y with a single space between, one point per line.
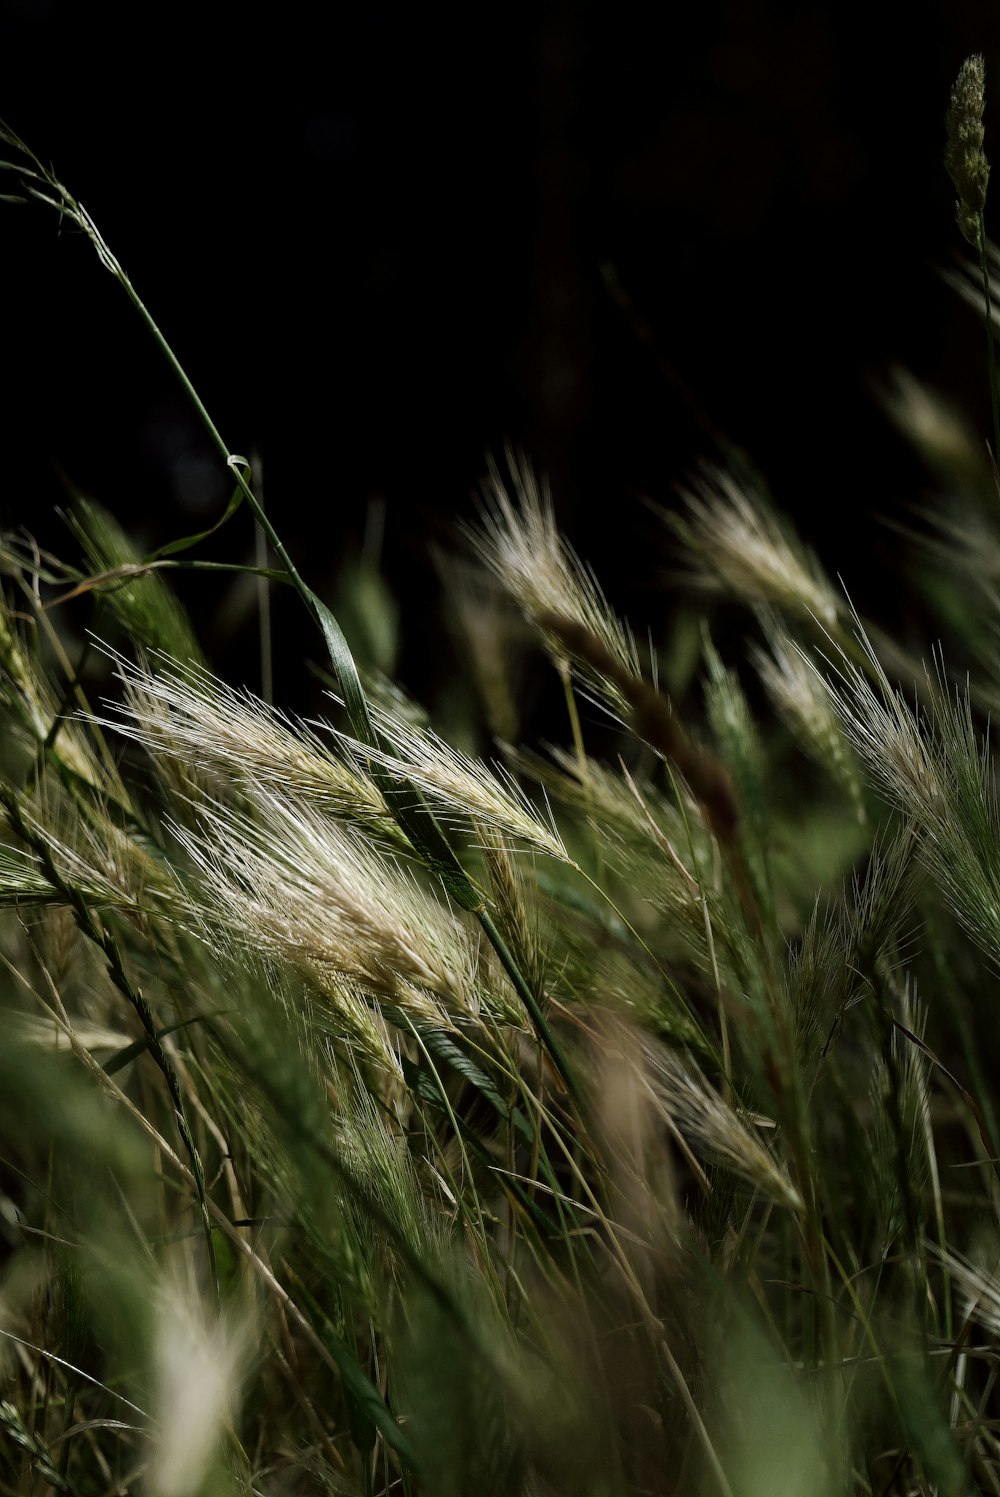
376 1118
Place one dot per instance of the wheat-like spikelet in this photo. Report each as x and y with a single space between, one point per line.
715 1127
519 542
310 891
200 1360
480 623
137 595
381 1169
801 699
938 429
938 769
181 712
91 855
738 547
24 685
459 786
889 737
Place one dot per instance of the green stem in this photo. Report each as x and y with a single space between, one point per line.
232 460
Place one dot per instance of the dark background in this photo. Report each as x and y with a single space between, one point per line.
380 241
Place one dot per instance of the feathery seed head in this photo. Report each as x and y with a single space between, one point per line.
480 621
628 1121
287 881
460 786
935 766
981 1289
712 1125
738 546
182 713
937 429
198 1367
520 544
23 684
382 1170
802 700
886 734
92 856
964 157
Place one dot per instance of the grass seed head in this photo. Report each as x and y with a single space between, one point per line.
199 1360
964 157
802 700
715 1127
738 546
184 715
519 542
461 787
291 882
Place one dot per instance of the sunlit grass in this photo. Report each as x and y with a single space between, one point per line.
377 1118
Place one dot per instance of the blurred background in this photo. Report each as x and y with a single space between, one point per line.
386 241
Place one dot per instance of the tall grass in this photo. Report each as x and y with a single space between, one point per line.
378 1118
